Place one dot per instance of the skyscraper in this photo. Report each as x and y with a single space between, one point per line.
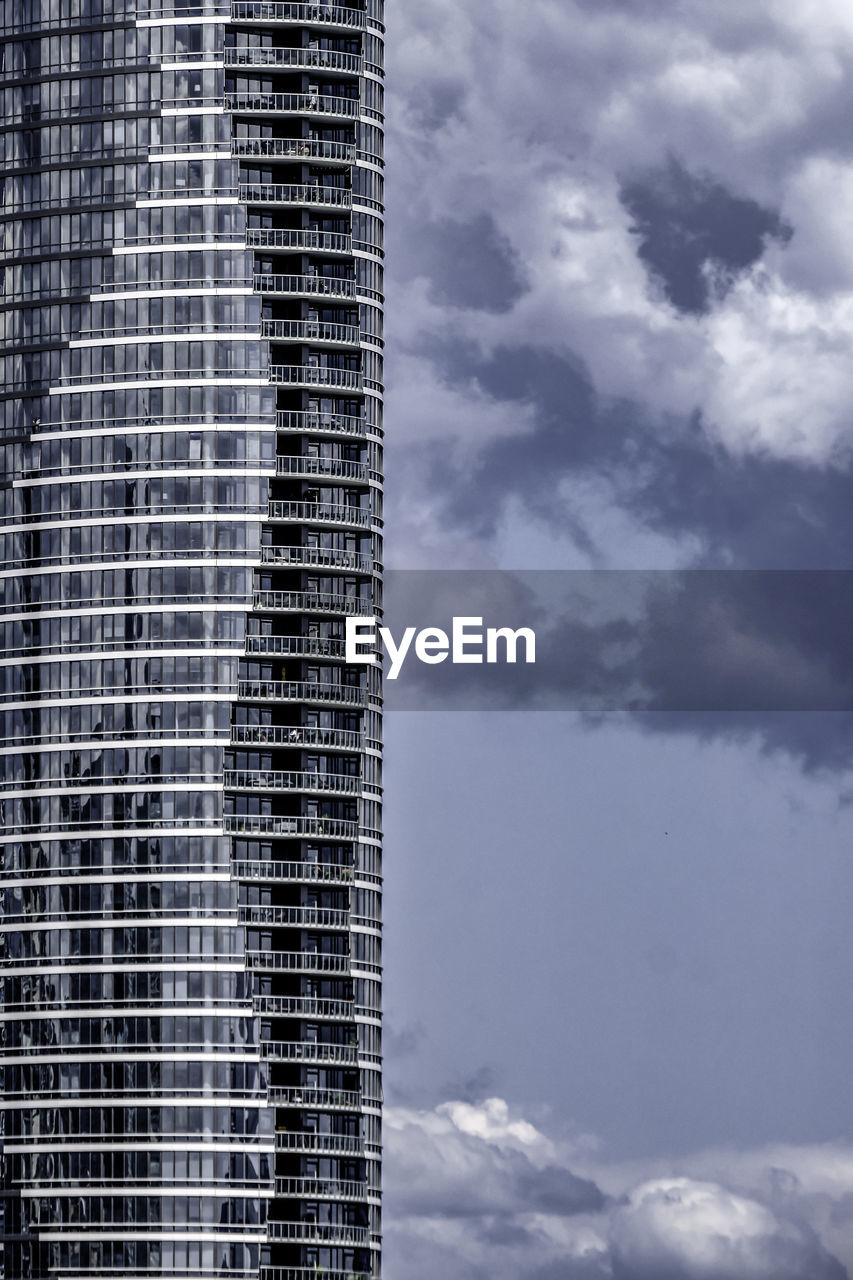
190 890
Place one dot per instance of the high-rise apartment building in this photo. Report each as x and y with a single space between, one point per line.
191 434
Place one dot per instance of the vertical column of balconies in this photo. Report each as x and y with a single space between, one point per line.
303 783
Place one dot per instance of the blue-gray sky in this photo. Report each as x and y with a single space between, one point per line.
620 320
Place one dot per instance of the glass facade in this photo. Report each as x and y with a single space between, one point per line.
191 508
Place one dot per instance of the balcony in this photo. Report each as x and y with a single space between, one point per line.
293 104
306 286
342 335
306 241
331 468
284 780
312 602
342 1144
271 12
289 194
332 424
295 646
320 558
290 827
311 1273
342 1055
301 59
319 1232
301 691
307 375
331 513
321 1189
295 149
300 872
298 736
298 962
297 917
318 1099
311 1007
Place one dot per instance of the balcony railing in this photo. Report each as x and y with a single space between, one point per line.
298 736
305 286
322 14
298 917
319 1232
321 423
301 872
297 827
343 1055
300 691
321 513
320 558
321 1188
318 1099
298 962
309 1143
312 602
287 780
333 468
310 1007
301 104
295 646
307 375
283 238
248 56
299 193
342 335
295 149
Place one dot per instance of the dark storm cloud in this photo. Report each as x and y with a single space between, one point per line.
468 264
756 511
686 223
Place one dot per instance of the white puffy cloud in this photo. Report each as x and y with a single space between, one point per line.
680 1229
477 1190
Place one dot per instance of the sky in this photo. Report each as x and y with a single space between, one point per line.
619 323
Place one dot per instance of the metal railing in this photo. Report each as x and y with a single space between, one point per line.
322 1188
298 917
344 335
295 646
321 513
308 375
248 56
305 872
312 602
313 104
310 286
321 423
297 735
294 193
308 465
283 238
320 558
295 149
297 826
319 1232
283 11
300 691
287 780
297 962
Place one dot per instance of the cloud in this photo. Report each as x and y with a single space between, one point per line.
685 355
680 1229
477 1190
